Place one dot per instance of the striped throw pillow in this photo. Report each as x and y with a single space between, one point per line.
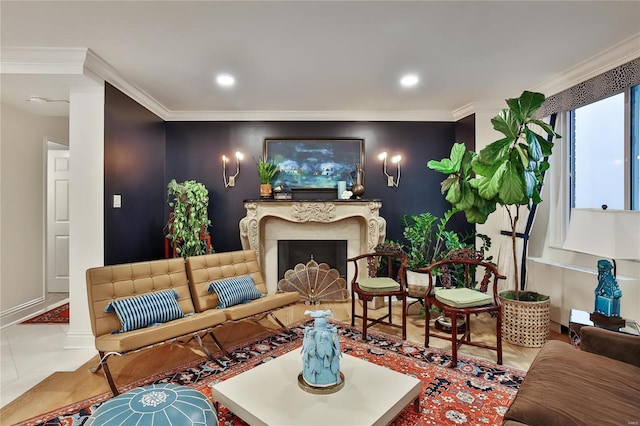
148 309
234 291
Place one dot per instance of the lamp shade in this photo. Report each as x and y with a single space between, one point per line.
609 233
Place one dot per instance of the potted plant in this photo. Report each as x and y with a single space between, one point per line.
267 171
188 223
507 172
428 241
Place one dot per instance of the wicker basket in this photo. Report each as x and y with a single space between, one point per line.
525 323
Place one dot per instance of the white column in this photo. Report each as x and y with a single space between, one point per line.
86 205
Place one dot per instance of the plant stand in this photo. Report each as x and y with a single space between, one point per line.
525 323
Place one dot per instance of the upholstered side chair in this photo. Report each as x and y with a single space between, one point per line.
464 279
385 277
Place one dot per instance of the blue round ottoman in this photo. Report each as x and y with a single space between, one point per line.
162 404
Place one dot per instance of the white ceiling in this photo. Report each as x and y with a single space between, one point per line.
317 58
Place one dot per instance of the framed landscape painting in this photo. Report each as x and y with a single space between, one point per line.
314 164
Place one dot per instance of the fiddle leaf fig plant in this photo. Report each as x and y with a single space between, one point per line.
188 218
507 172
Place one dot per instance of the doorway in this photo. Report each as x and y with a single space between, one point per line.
57 217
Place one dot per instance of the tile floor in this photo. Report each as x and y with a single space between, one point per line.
32 352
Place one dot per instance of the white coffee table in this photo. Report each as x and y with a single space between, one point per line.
269 394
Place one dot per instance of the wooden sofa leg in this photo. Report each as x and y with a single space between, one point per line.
107 373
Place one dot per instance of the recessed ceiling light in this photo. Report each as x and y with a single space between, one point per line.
225 80
409 80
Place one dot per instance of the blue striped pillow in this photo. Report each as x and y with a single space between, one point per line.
148 309
234 291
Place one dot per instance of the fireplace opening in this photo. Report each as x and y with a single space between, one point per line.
331 252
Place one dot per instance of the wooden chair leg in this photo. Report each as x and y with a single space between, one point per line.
499 336
404 318
468 327
427 321
390 316
365 318
454 340
353 309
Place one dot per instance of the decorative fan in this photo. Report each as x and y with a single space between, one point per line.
315 283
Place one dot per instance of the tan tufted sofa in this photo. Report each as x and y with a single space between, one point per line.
204 269
108 283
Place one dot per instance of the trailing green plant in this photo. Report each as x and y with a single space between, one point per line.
188 218
507 172
267 171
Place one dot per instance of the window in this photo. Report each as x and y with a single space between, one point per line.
603 153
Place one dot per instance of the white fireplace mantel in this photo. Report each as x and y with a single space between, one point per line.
267 221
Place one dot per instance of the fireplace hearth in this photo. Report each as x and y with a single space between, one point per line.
331 252
355 221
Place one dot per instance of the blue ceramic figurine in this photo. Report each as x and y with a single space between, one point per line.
321 352
608 293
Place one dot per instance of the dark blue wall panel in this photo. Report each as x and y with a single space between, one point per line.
134 156
142 153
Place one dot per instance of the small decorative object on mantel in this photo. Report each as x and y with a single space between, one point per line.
342 187
346 195
608 294
358 187
282 192
321 356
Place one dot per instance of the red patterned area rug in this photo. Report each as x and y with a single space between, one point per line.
476 392
59 315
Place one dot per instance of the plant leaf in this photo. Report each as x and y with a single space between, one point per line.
495 152
530 102
512 189
535 150
506 124
457 153
453 194
545 145
444 166
522 153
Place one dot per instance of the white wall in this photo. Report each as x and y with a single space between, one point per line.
22 206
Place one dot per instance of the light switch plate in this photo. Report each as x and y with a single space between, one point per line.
117 201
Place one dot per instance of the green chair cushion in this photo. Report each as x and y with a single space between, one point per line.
378 284
463 297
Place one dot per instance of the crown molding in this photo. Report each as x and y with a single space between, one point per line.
615 56
42 60
428 115
491 107
97 66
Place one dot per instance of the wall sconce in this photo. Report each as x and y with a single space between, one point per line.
231 181
391 181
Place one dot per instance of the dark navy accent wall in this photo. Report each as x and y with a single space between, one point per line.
195 149
142 153
134 156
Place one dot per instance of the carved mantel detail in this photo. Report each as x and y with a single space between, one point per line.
331 219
